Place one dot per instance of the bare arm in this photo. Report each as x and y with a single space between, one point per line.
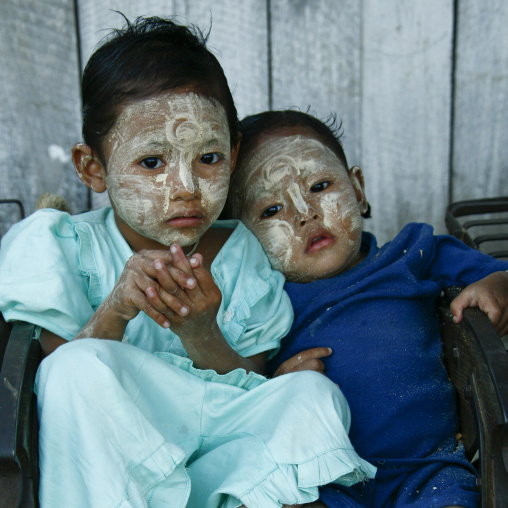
127 298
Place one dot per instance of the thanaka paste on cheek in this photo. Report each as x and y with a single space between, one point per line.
178 129
281 172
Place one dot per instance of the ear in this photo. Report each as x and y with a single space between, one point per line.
357 180
234 153
88 167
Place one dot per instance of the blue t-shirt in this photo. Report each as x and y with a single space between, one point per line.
379 318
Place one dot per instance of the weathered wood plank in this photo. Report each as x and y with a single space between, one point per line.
238 38
39 103
480 155
406 87
316 62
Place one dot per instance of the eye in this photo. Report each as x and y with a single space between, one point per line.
152 163
210 158
319 187
271 211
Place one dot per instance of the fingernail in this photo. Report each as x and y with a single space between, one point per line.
191 282
184 310
173 249
330 350
150 292
165 324
193 262
159 264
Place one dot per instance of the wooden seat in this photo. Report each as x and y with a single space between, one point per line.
477 363
19 471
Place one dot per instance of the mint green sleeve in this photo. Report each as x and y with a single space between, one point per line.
255 312
40 279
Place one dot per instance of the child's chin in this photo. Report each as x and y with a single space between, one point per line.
314 272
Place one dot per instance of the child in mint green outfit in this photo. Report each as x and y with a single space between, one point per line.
156 319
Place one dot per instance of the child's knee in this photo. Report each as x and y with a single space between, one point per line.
318 391
72 366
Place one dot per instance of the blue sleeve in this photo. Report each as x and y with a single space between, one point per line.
40 280
456 263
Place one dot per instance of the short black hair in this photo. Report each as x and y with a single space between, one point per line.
144 58
254 126
329 131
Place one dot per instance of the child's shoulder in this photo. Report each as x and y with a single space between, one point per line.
58 219
241 251
47 228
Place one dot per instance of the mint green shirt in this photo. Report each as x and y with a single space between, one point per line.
56 269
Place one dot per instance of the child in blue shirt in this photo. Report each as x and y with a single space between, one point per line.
373 307
151 393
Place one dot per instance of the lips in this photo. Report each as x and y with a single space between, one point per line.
186 218
319 239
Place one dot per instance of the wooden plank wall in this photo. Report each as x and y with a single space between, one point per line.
420 85
39 103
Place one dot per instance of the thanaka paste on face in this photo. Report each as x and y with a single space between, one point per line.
179 129
281 171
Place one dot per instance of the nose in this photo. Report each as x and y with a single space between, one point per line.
302 208
183 187
301 218
180 192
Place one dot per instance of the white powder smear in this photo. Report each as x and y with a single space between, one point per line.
172 132
308 193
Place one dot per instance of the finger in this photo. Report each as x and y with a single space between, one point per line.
143 262
305 356
316 352
313 364
165 303
180 260
205 281
169 274
166 280
465 299
152 312
196 260
491 307
153 254
309 354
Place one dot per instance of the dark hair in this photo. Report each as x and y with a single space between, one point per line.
144 58
254 126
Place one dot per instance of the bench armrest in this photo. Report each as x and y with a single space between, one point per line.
477 363
18 417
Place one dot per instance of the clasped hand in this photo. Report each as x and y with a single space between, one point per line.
170 289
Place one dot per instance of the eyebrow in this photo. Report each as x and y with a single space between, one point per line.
154 145
263 197
213 142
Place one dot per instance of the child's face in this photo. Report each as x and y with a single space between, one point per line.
303 205
168 164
